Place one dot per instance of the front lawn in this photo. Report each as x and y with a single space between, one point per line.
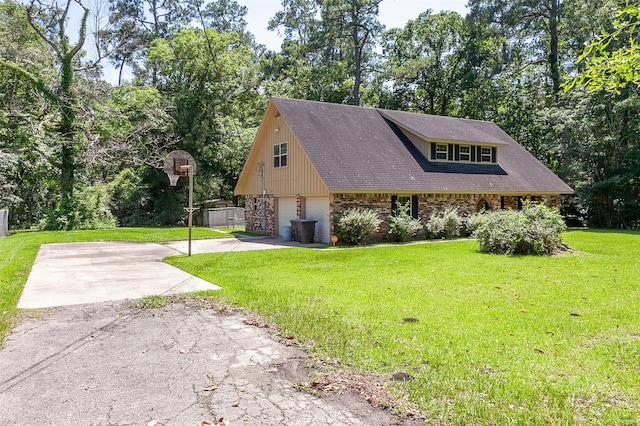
498 339
18 252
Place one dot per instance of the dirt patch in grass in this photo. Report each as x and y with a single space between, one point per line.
370 387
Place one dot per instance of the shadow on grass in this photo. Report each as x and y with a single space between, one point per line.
604 231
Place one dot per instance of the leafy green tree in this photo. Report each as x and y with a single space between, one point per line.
605 153
297 20
132 128
608 156
307 66
25 176
532 33
352 23
425 62
212 82
225 16
327 49
612 61
49 22
134 24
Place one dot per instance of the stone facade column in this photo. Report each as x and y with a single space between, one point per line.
253 213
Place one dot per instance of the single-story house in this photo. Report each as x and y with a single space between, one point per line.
314 160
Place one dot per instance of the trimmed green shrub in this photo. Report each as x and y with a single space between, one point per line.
446 224
356 226
536 229
401 224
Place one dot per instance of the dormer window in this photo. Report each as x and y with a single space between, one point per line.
453 152
442 151
465 153
485 155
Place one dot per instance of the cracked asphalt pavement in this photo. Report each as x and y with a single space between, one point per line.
110 364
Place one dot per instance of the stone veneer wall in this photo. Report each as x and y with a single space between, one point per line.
511 202
253 213
467 204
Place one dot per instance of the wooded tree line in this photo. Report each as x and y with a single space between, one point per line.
560 76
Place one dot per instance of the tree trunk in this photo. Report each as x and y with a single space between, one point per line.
120 72
357 55
554 68
63 99
67 132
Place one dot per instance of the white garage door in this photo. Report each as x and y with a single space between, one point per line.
318 209
287 210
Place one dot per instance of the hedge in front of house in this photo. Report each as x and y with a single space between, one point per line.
356 226
401 224
536 229
446 224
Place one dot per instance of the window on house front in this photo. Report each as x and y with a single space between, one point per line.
465 153
280 154
485 155
441 151
405 201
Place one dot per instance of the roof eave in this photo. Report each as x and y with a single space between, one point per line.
446 191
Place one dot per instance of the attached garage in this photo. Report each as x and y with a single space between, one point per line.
317 208
287 210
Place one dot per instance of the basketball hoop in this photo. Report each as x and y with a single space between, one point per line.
174 165
181 163
173 179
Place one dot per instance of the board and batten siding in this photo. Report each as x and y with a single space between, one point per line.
297 177
418 142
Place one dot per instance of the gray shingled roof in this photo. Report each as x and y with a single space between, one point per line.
364 149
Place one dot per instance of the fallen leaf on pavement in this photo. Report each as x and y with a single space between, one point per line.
211 387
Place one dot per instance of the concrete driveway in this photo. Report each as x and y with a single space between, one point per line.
76 273
187 363
183 364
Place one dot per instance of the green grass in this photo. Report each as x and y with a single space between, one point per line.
499 339
18 252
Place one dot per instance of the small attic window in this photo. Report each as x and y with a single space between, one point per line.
280 154
465 153
442 151
457 153
485 155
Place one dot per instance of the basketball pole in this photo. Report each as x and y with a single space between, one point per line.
176 164
189 170
190 207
